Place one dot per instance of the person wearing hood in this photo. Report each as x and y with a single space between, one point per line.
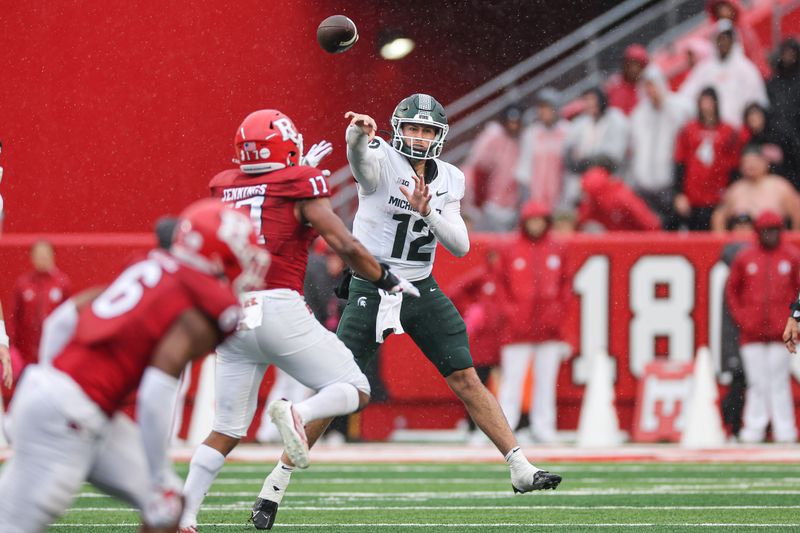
783 88
537 293
540 169
622 87
599 133
609 202
780 145
695 50
655 124
492 197
733 11
734 77
706 156
759 279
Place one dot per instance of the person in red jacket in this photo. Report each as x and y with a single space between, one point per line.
536 292
36 294
760 277
609 202
623 88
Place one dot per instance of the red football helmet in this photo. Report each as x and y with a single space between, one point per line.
267 140
221 241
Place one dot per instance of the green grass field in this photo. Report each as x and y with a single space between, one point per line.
475 497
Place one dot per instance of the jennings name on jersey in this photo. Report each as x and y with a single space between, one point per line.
270 198
389 227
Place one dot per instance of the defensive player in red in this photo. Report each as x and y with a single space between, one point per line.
160 313
289 204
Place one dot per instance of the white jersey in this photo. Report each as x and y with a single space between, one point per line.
392 230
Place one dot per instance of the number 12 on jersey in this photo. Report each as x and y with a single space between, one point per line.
404 221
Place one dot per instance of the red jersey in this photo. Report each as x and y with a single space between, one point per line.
756 290
117 334
708 154
271 197
36 294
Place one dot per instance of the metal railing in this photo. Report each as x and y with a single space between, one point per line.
572 64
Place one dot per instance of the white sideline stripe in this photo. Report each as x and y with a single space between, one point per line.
247 507
403 496
488 468
428 524
682 481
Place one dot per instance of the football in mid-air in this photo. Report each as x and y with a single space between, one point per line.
337 34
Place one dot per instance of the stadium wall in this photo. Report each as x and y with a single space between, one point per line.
641 296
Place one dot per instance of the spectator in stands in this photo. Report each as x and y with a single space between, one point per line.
622 88
783 88
655 124
537 291
735 78
740 227
477 295
695 50
493 195
599 133
540 170
780 145
36 293
706 156
758 191
732 10
609 202
761 276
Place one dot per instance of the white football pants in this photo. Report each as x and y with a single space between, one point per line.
514 361
290 338
61 439
769 394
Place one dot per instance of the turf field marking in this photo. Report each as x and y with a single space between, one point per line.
428 524
243 468
682 481
247 507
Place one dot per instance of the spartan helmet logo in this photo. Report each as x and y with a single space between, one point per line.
362 301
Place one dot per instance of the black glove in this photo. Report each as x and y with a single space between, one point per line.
387 281
342 289
795 307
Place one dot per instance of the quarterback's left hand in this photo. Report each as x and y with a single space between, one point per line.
317 153
419 198
5 361
790 335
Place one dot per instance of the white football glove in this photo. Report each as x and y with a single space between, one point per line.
404 286
317 153
164 504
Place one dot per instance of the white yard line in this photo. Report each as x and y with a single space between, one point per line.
244 507
430 524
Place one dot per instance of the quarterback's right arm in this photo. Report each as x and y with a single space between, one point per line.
363 161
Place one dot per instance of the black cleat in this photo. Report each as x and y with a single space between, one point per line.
264 512
542 480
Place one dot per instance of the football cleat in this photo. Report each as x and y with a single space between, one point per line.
188 529
263 514
542 480
289 425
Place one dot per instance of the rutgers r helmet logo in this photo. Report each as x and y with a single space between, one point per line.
286 128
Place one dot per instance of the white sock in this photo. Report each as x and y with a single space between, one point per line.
276 483
517 462
333 400
206 464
